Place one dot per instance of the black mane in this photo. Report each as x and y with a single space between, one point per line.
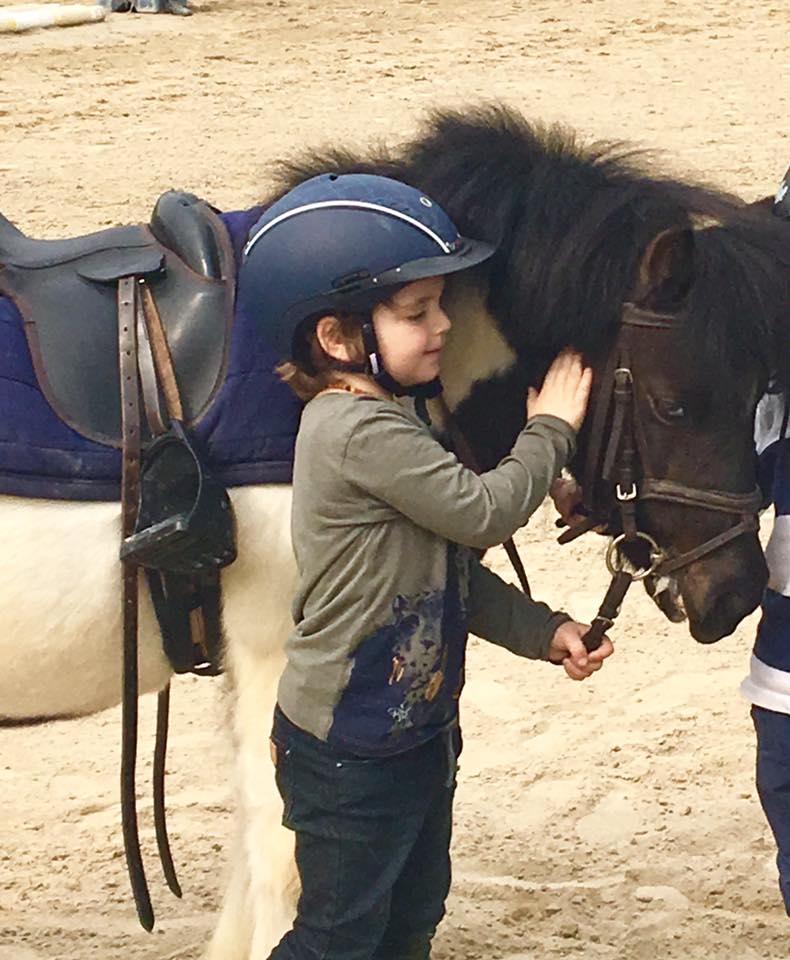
573 221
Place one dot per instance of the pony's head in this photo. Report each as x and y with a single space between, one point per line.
694 351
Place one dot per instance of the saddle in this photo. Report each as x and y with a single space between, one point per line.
66 291
129 330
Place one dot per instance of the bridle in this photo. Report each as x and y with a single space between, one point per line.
612 463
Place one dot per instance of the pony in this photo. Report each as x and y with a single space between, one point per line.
595 251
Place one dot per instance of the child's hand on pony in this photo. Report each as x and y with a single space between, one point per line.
567 648
565 390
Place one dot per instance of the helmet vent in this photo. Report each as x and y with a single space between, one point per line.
351 280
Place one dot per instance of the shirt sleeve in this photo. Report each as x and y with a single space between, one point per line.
396 460
506 616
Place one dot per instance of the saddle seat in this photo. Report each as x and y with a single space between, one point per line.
66 291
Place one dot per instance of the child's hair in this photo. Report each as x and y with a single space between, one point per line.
312 370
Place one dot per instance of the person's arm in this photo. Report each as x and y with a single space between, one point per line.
392 457
501 613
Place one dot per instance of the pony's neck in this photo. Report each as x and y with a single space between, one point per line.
475 349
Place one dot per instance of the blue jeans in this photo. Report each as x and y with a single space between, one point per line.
773 785
372 846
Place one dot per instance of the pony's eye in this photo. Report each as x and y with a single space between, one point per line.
668 410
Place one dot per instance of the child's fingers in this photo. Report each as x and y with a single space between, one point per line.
561 368
579 664
577 652
574 378
605 650
585 383
532 396
574 672
566 364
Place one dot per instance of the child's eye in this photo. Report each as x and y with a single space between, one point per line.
416 317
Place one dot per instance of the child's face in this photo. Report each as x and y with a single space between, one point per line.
411 328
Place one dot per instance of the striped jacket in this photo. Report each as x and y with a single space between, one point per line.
768 683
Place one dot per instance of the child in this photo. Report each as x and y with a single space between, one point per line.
346 273
768 685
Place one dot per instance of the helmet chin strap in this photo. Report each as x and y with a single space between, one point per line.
374 367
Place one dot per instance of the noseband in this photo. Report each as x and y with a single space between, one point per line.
613 462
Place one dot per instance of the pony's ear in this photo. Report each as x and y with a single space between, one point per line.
666 271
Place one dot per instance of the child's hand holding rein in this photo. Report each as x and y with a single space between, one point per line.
564 392
567 648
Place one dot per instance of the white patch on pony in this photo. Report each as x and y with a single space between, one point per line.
60 597
259 904
475 349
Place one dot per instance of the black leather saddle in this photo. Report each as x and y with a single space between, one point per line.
66 291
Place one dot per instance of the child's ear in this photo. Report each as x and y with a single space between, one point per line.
331 339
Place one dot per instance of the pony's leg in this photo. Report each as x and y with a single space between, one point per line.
259 904
232 937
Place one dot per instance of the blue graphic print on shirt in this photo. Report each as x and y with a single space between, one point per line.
408 674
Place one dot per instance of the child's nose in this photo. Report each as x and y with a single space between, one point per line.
443 322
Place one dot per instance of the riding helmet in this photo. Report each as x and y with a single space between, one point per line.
344 242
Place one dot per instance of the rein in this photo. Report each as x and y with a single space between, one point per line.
613 461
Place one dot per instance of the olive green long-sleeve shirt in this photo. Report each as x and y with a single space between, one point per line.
385 523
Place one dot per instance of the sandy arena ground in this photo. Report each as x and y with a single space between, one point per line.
611 819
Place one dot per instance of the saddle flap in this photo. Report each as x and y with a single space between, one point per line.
109 266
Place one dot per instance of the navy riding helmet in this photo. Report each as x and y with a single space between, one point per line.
345 242
782 199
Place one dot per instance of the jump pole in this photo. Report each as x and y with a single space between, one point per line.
17 19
